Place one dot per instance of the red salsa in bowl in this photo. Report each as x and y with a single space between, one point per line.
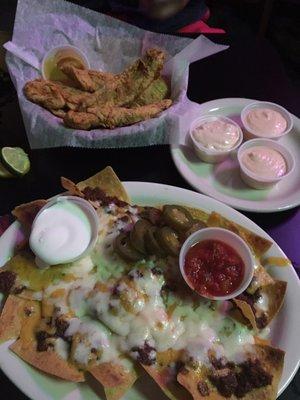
213 268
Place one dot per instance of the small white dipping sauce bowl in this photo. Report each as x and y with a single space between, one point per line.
91 215
252 134
66 52
229 238
210 155
255 181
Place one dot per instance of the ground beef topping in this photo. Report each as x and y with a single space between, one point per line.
19 289
145 355
262 321
220 363
135 274
242 379
7 281
203 388
42 343
251 376
248 298
28 311
61 327
156 271
225 381
96 194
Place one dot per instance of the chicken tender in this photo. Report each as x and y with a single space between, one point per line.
88 80
53 95
120 89
157 91
92 99
111 117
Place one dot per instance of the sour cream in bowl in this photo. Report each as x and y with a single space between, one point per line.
264 162
214 138
262 119
65 229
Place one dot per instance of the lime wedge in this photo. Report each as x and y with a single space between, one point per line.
4 173
15 160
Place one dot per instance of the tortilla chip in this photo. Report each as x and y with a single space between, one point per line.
11 317
165 376
272 360
108 181
35 279
262 277
258 244
71 187
46 361
27 294
263 342
236 314
247 312
276 262
25 213
275 293
115 379
167 382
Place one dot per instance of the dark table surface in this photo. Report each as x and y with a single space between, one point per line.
250 69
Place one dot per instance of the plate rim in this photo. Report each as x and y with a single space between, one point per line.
173 147
130 186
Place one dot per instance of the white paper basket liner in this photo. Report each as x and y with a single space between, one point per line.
110 45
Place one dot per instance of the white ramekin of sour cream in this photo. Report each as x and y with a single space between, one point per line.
262 119
215 137
264 162
65 229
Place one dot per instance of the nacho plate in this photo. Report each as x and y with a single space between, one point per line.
143 193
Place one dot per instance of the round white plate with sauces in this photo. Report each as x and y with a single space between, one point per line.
284 329
223 182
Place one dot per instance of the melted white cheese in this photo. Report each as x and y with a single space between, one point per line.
136 312
61 348
263 302
95 337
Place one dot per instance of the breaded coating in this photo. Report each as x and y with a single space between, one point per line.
157 91
111 117
100 99
44 93
53 95
120 89
88 80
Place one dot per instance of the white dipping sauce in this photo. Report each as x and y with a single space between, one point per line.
60 233
266 122
264 162
217 135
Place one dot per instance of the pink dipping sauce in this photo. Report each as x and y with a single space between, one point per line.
264 162
266 122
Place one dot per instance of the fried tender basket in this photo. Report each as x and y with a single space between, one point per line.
95 99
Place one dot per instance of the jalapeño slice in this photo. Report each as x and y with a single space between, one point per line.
137 235
124 249
152 245
177 217
168 240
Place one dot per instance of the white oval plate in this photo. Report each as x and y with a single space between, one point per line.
284 330
222 181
